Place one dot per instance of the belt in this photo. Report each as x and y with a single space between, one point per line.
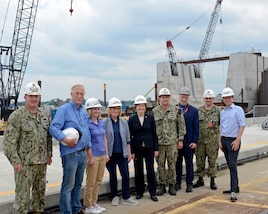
231 138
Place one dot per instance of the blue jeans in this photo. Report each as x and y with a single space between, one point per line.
73 173
118 159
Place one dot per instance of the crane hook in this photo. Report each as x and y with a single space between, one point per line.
71 9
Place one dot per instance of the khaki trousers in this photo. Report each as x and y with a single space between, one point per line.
94 175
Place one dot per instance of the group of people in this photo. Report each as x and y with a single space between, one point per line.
185 130
169 135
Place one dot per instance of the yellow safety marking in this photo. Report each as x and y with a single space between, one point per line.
56 184
253 144
11 192
247 204
189 206
195 204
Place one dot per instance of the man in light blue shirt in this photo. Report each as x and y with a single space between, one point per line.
232 125
73 153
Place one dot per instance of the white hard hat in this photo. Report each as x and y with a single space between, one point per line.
32 88
114 102
227 92
164 91
140 99
70 133
208 93
184 90
92 103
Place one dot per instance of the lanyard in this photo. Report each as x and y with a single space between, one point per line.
184 108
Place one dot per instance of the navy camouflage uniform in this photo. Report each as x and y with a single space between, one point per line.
170 128
27 142
208 145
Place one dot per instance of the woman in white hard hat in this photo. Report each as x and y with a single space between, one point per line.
118 140
97 161
144 145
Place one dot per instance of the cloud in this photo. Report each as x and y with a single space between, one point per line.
119 42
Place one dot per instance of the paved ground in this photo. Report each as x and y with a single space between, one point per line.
252 199
253 183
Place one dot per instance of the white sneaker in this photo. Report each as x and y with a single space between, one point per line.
92 210
130 201
100 208
115 201
233 197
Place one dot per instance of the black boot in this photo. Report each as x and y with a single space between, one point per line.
177 186
161 190
189 188
212 183
199 182
171 189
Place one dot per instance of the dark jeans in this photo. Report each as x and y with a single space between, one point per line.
188 154
148 155
118 159
231 159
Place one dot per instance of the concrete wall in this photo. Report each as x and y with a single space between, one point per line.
244 72
185 77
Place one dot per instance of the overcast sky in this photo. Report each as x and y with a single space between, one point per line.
119 42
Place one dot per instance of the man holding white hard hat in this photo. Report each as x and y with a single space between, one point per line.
72 115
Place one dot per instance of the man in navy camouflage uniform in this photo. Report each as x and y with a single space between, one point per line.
208 146
28 146
170 129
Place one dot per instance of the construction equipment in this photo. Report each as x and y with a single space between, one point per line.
173 59
18 53
208 37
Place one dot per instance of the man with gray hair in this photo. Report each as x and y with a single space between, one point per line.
187 148
73 152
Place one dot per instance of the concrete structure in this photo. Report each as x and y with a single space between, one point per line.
184 76
244 77
244 74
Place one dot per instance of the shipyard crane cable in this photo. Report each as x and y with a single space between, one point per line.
2 31
222 46
188 27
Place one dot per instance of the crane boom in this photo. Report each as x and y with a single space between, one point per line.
209 35
19 51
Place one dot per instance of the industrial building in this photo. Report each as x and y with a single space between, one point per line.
247 76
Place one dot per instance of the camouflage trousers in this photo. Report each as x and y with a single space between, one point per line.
167 154
209 151
32 178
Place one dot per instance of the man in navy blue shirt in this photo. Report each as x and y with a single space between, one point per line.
190 141
232 125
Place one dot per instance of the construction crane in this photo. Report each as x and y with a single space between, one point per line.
18 53
173 59
208 37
